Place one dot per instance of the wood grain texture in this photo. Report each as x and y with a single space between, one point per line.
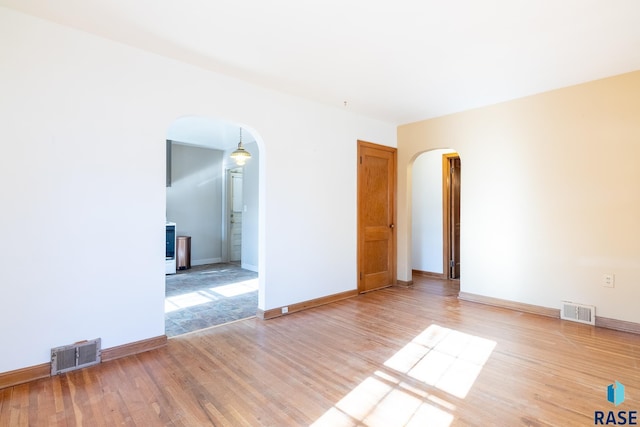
619 325
429 274
133 348
277 312
390 357
404 283
32 373
377 239
19 376
513 305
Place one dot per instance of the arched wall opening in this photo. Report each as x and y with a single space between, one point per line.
430 233
215 202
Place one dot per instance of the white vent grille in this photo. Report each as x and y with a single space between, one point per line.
75 356
578 312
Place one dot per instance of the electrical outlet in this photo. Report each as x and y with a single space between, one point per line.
608 280
285 310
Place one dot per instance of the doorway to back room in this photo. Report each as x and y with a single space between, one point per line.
435 228
214 205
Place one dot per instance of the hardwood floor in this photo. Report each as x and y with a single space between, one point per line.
397 356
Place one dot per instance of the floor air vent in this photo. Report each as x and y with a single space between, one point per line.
75 356
578 312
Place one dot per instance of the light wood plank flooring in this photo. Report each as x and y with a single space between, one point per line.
399 356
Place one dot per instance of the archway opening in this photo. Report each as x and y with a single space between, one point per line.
213 205
435 213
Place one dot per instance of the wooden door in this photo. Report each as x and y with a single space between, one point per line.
376 216
451 168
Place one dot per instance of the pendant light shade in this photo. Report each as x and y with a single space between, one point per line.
240 155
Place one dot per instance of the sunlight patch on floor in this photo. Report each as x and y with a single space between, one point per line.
235 289
382 401
192 299
446 359
404 394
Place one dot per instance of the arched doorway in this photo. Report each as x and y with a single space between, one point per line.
220 282
435 205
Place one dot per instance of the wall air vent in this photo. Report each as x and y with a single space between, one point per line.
578 312
75 356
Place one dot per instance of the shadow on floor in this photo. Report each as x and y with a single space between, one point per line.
209 295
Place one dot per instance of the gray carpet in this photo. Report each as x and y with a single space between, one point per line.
209 295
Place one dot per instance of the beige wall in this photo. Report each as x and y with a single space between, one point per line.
550 195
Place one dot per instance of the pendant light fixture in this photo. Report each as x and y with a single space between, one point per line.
240 155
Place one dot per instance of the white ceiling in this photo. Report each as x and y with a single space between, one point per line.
397 61
207 132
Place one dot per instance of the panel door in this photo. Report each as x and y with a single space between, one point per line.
376 216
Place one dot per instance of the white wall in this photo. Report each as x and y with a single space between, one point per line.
194 200
426 230
549 195
84 123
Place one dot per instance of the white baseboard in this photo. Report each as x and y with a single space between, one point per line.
206 261
249 267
